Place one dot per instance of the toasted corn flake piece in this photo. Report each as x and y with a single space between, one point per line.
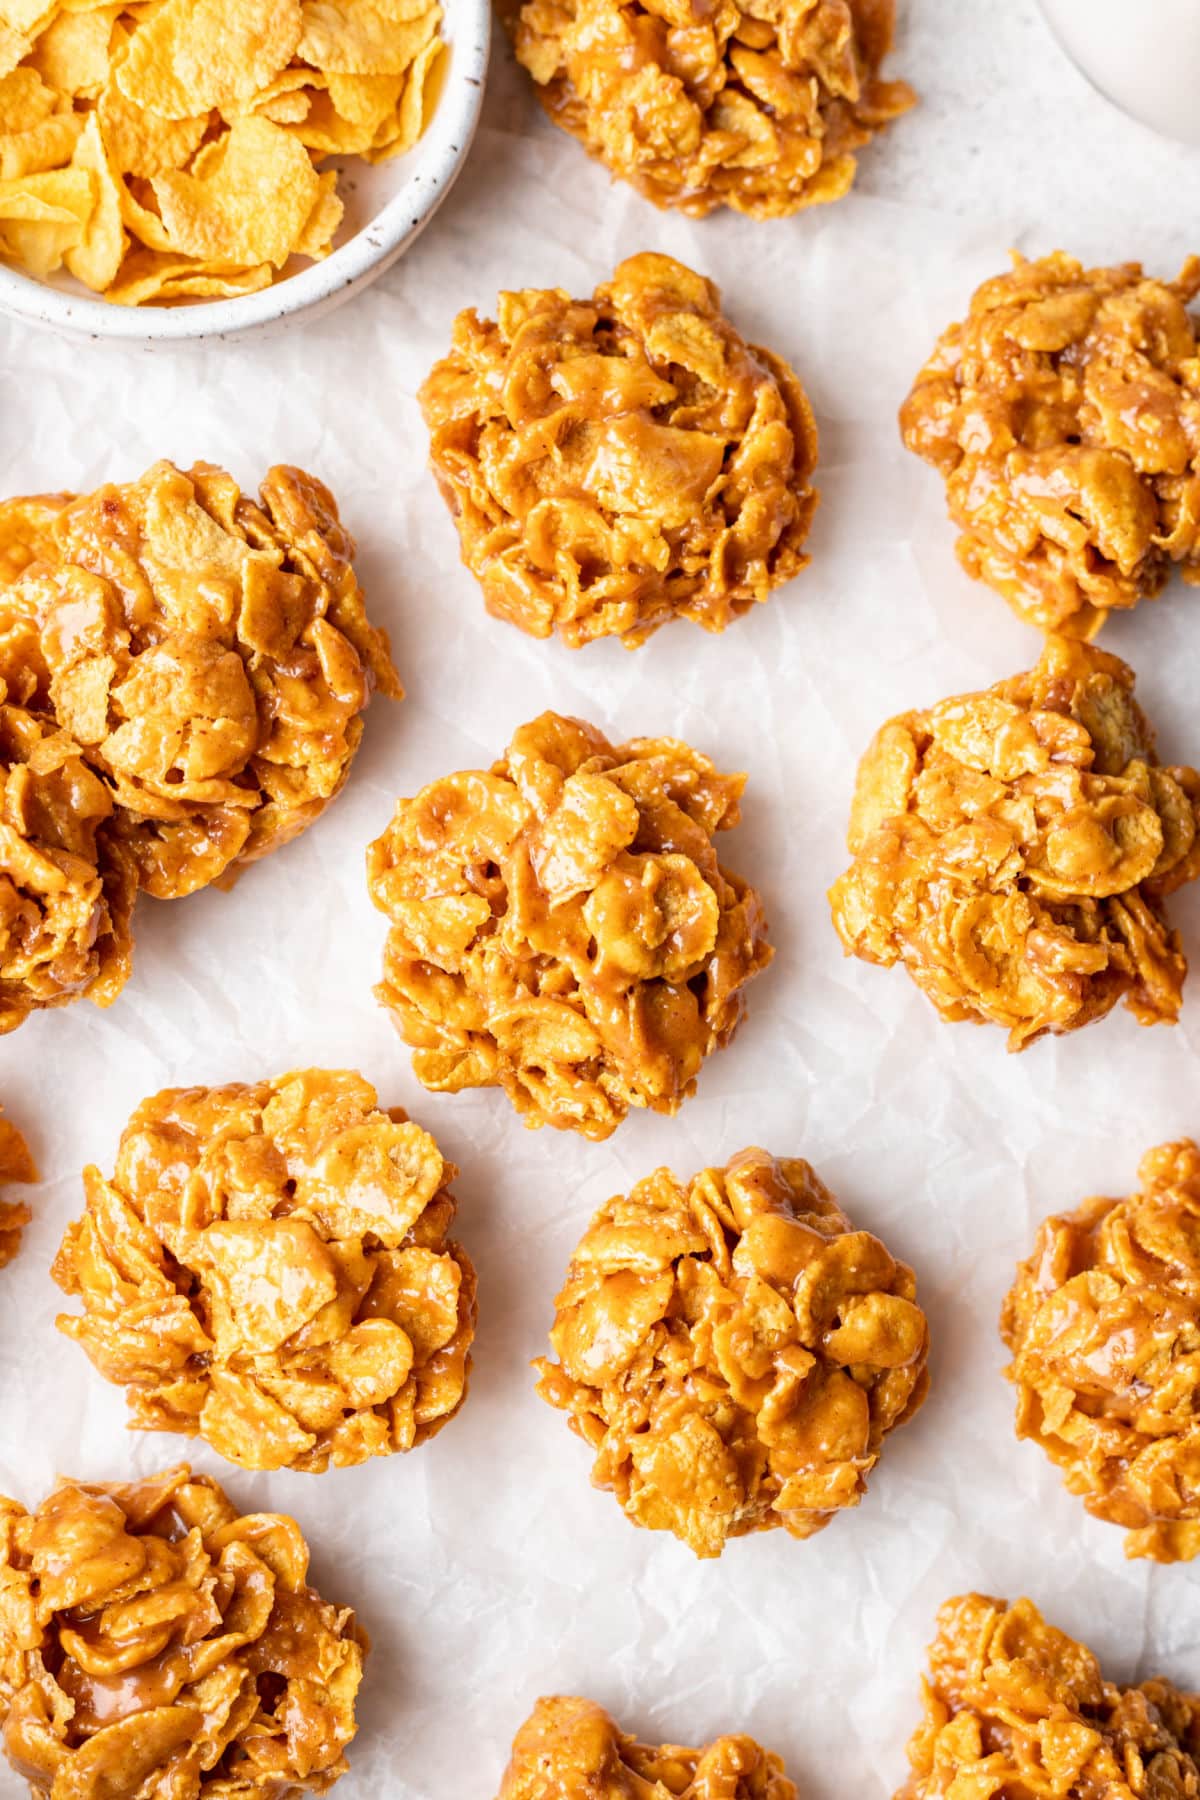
72 54
618 462
1014 1705
97 257
206 1663
366 37
1013 850
571 1747
317 237
1103 1321
141 143
16 1165
733 1352
250 206
1061 413
190 55
531 950
271 1268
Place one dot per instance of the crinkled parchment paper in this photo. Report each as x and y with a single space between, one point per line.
485 1567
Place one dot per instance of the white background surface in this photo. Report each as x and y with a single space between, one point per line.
485 1567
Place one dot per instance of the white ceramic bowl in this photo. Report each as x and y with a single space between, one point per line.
1144 58
386 207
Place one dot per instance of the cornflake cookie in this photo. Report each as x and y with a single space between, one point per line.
618 462
16 1165
1064 415
734 1352
67 887
1103 1321
561 927
270 1269
1014 1706
153 1642
1014 848
211 656
571 1749
182 150
755 106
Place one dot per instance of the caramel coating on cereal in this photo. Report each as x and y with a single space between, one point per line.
1064 414
571 1749
561 927
1015 1706
1103 1321
152 1641
618 462
270 1269
16 1165
758 105
734 1352
66 885
210 654
1013 848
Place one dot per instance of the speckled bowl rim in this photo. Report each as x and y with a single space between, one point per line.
324 285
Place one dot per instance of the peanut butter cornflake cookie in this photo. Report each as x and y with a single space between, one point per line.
209 656
155 1642
1014 849
734 1351
1064 414
570 1749
1015 1707
561 927
16 1165
271 1268
1103 1321
618 462
758 105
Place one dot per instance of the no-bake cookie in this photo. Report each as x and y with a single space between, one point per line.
618 462
16 1165
1014 848
561 927
270 1268
734 1352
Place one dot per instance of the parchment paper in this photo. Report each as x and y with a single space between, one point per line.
485 1567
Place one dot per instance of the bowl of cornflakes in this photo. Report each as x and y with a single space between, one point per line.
179 169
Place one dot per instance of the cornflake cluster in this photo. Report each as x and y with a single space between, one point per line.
1104 1325
754 104
1064 415
570 1749
734 1352
174 151
270 1268
561 927
1014 1706
154 1642
16 1165
618 462
1014 848
186 671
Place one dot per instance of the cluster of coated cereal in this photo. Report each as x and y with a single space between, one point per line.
16 1165
1104 1325
1015 1706
571 1748
752 105
270 1268
1013 850
734 1352
561 927
154 1642
618 462
186 670
1064 414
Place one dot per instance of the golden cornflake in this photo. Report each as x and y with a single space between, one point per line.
172 152
270 1268
1013 849
570 1749
154 1641
16 1165
734 1352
